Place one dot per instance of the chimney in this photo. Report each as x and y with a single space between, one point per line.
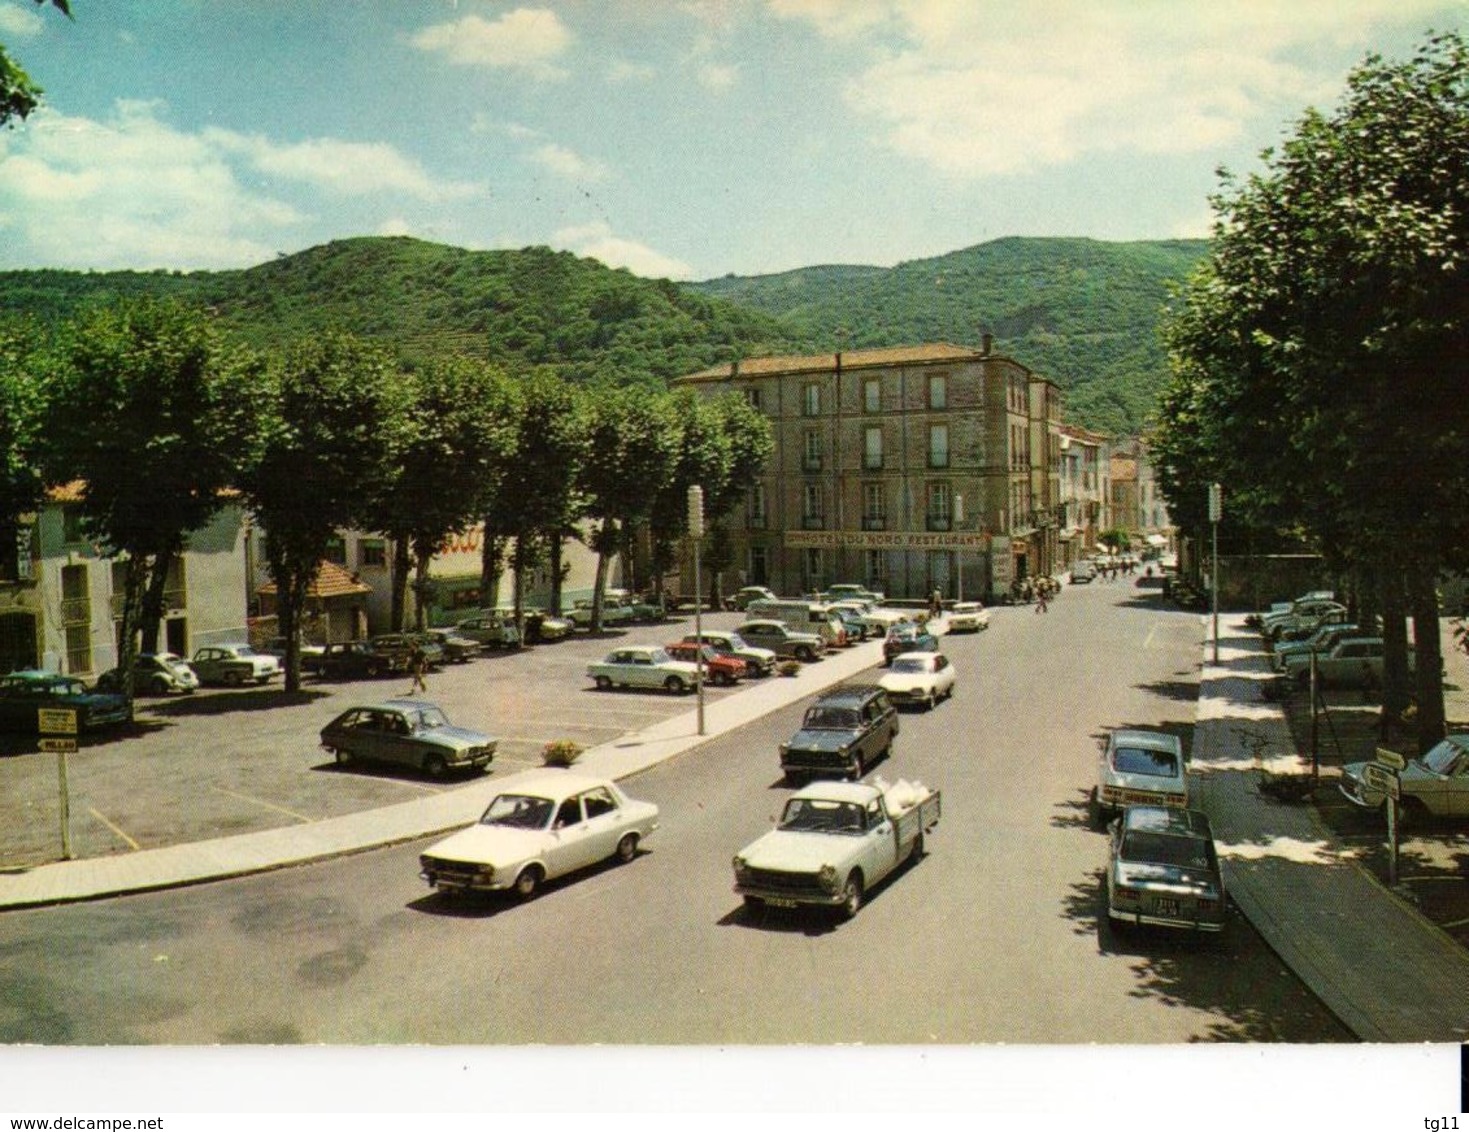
987 345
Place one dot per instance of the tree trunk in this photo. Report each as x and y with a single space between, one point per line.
151 614
135 573
491 558
553 538
607 542
1428 658
402 566
1396 680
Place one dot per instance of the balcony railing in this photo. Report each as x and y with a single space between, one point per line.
874 523
940 523
872 463
76 611
811 462
938 459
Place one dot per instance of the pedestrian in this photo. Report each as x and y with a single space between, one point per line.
1040 597
418 666
935 604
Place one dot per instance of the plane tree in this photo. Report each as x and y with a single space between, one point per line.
1318 354
333 427
22 393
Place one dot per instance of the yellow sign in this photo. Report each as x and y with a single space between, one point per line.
57 721
1391 759
886 540
60 746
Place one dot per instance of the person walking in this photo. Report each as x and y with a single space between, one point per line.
1041 592
418 666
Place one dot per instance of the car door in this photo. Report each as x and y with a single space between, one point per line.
396 741
569 847
644 673
603 823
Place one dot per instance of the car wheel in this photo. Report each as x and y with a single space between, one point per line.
434 766
627 848
528 883
932 700
916 853
1094 814
859 769
604 683
344 756
158 686
805 655
852 896
674 684
234 679
754 904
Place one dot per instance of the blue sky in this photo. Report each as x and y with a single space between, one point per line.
679 138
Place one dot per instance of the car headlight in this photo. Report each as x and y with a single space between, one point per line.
741 869
828 878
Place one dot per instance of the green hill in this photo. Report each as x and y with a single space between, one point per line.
1081 312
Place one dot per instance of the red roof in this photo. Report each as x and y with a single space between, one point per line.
331 581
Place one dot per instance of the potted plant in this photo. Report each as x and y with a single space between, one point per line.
561 752
789 667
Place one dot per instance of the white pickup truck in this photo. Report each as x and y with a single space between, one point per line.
834 842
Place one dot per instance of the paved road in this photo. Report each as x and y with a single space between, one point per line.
994 937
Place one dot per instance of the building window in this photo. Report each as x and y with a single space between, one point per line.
938 391
372 552
71 525
757 505
811 458
938 446
872 449
811 510
874 511
876 575
939 511
336 550
872 395
811 400
811 566
759 566
752 395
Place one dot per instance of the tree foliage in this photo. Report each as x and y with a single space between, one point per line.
1318 354
19 95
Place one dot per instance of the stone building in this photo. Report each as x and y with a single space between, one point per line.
907 469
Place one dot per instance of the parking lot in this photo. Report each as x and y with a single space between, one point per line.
224 761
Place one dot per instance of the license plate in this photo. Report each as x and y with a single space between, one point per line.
781 902
1165 907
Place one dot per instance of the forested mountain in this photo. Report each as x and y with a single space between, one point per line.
1081 312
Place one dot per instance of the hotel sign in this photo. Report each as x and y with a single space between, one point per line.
886 540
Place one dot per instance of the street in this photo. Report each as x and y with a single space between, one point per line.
992 937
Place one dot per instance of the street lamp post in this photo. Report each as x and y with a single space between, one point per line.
1216 512
696 532
959 550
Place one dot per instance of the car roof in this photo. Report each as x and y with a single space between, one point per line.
553 783
858 792
1151 740
850 694
1167 819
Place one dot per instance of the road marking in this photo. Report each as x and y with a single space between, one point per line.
133 844
262 802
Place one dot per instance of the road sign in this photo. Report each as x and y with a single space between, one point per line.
57 721
1390 758
1382 779
59 746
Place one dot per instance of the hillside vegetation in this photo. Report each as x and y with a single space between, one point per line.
1081 312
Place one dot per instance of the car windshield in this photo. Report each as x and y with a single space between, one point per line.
519 811
816 815
1145 760
428 716
1443 758
736 641
910 664
831 718
1165 849
658 656
245 650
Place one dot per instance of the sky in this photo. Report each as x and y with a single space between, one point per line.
685 139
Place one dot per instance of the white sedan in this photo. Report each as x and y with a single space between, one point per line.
919 678
643 666
968 617
541 826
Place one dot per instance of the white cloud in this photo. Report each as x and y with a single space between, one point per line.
624 71
18 23
717 76
345 168
975 90
567 163
598 242
526 39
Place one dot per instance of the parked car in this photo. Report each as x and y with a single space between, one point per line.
491 628
746 594
1320 641
613 613
1139 768
1163 870
919 678
411 733
1435 783
844 732
1082 573
880 619
645 608
545 825
1353 662
854 623
1309 627
908 637
842 591
642 666
759 661
401 647
154 674
968 617
234 665
836 841
1300 613
457 649
1256 620
718 669
783 640
540 626
353 660
24 693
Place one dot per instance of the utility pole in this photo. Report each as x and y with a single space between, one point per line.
1216 512
959 551
696 532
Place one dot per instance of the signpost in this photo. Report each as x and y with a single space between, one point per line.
60 721
1383 775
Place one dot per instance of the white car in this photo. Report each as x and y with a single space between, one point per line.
1436 783
919 678
643 666
541 826
613 613
1139 768
968 617
880 619
234 664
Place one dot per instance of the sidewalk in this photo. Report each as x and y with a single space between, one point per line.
1380 966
